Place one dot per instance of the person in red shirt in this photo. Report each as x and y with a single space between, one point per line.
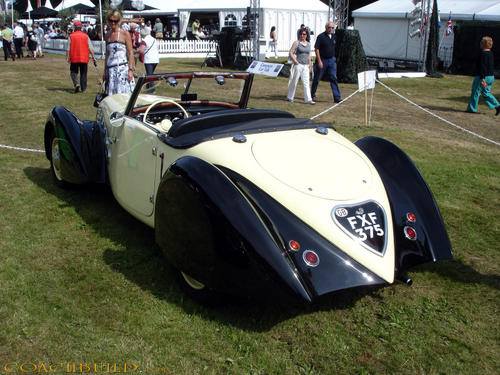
77 55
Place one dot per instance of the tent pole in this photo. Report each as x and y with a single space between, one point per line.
100 16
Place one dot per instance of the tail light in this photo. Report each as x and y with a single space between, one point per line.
410 216
410 233
311 258
293 245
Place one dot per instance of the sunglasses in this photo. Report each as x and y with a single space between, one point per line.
113 21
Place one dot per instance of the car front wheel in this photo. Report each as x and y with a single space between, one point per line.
55 163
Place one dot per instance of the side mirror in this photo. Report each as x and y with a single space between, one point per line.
172 81
116 116
220 80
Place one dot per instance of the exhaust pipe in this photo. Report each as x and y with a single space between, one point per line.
405 279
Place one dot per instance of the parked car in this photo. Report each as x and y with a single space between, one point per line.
251 201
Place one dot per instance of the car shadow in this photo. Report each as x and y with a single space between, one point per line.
143 264
456 270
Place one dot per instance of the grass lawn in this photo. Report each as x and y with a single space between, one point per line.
81 281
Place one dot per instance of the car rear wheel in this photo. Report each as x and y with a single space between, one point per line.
192 283
199 292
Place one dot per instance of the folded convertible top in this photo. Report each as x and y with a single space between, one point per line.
192 131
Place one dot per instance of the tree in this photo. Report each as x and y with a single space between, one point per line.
431 61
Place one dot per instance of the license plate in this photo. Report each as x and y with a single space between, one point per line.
364 222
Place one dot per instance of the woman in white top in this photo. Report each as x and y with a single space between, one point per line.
273 41
300 54
149 50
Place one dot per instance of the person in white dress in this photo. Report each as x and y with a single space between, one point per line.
119 62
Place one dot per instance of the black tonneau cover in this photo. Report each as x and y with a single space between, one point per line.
194 130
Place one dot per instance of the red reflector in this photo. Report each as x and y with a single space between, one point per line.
294 245
411 217
311 258
410 233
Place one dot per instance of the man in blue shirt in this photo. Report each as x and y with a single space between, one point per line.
324 49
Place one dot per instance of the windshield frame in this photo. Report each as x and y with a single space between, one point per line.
142 80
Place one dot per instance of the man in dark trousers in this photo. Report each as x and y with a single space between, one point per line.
77 55
324 49
7 37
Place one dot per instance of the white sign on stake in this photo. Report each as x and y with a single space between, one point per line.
371 76
267 69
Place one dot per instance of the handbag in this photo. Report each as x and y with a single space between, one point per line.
100 96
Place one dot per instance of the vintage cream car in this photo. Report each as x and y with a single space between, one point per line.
251 201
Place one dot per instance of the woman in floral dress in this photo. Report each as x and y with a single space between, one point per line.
119 62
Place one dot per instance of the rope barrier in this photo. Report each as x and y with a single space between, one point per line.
439 117
335 105
20 148
414 104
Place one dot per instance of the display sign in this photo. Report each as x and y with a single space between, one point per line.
264 68
369 77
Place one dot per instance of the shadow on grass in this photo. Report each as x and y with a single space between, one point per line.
62 89
462 99
456 270
142 263
445 109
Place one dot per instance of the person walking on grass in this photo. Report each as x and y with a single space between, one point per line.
119 61
7 37
40 35
324 48
150 56
484 78
300 54
18 39
273 42
77 55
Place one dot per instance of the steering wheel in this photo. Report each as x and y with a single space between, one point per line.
156 102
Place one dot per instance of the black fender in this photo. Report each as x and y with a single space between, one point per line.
81 144
408 192
224 231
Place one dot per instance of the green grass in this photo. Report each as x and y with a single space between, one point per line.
81 281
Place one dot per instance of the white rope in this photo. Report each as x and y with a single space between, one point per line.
20 148
439 117
335 105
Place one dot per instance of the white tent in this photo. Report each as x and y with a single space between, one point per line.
384 26
286 15
171 6
490 14
69 3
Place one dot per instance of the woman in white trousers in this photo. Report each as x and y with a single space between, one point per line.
273 42
300 54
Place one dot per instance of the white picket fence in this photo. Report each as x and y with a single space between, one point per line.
167 48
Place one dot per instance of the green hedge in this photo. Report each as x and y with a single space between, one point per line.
350 55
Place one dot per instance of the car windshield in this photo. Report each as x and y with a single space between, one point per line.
223 87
